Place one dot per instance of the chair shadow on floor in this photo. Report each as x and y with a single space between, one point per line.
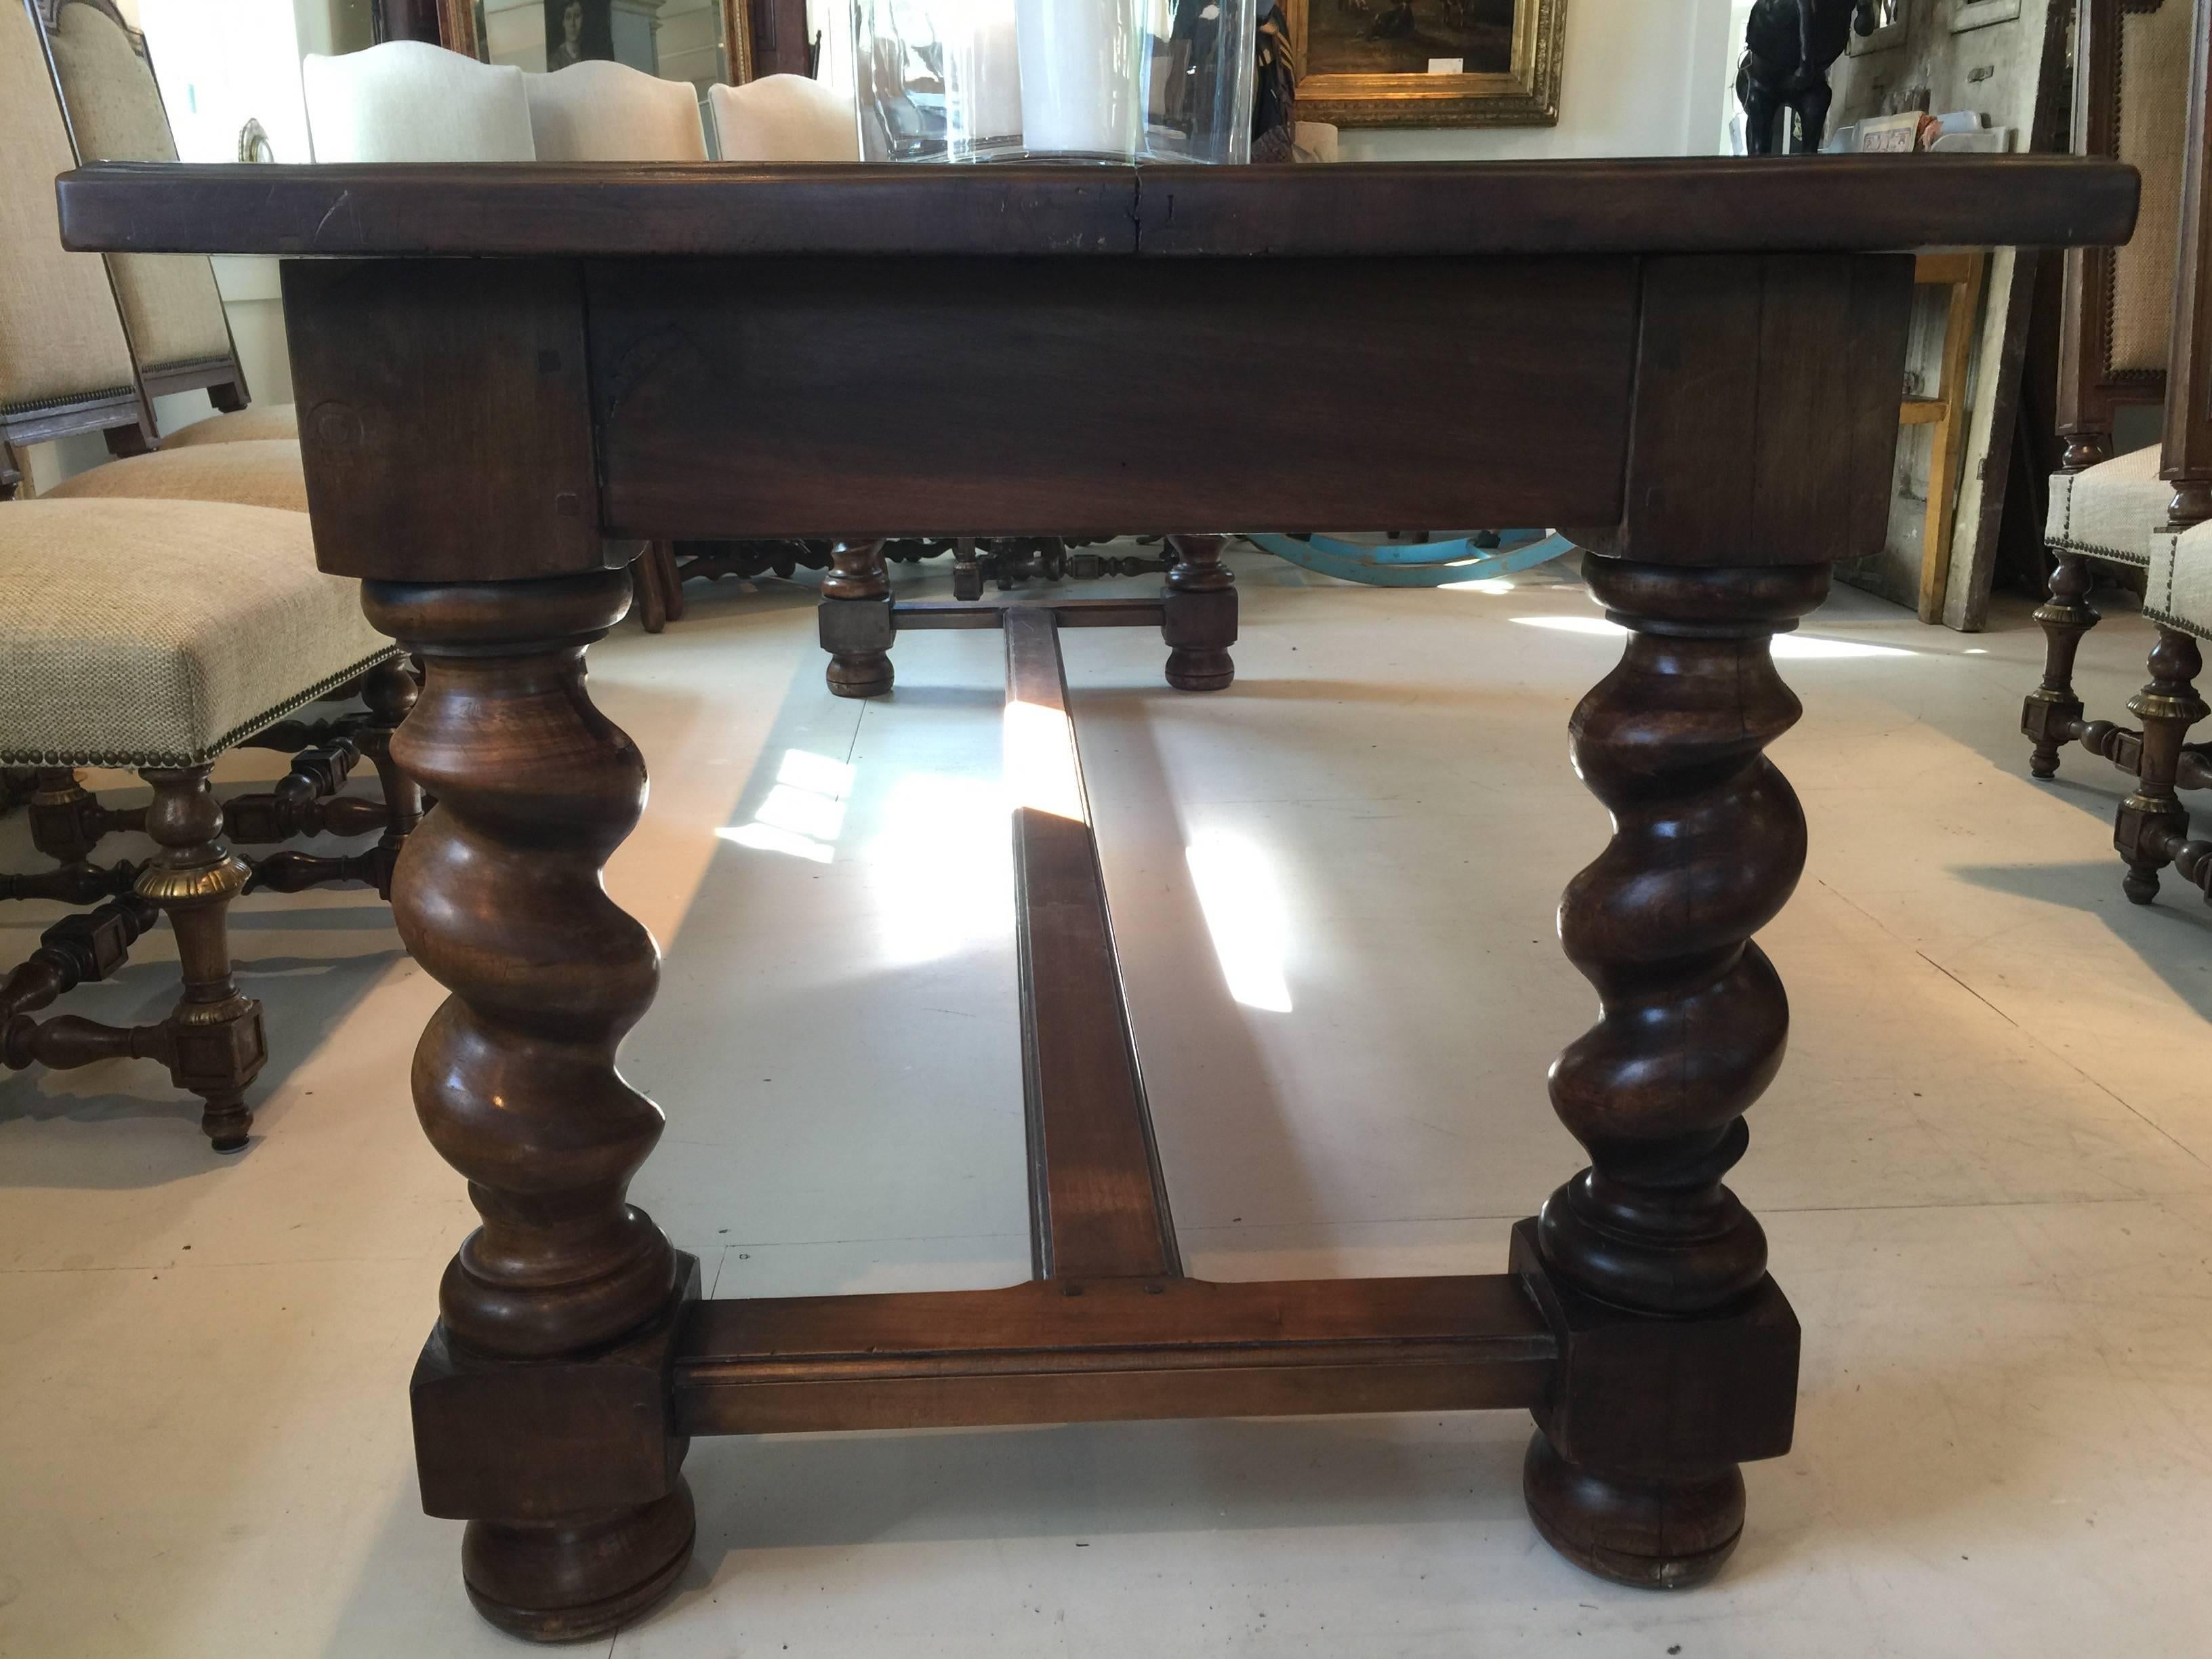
2170 935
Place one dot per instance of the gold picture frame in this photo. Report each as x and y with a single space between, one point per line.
457 29
1525 94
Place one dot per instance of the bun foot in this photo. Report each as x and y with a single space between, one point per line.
1646 1533
860 674
567 1582
1200 671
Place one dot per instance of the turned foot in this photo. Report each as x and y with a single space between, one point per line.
1647 1534
1200 620
856 620
569 1581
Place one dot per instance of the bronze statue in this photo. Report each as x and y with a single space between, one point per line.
1788 47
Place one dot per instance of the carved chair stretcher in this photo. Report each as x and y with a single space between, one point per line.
1701 363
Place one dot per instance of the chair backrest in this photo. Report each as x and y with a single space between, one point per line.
408 101
66 361
598 111
113 109
2130 102
783 118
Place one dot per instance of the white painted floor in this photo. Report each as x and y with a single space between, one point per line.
1984 1171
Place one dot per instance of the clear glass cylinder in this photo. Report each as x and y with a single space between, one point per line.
1080 80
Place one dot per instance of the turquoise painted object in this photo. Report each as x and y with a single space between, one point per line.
1419 565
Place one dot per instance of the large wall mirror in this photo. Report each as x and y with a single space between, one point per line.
701 41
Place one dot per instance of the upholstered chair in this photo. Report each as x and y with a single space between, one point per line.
2116 327
155 635
2123 340
178 333
407 102
783 118
66 344
66 361
601 112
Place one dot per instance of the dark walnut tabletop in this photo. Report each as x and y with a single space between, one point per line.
1837 204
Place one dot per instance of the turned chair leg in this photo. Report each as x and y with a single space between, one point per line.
217 1046
648 595
2151 823
856 620
68 822
212 1040
1200 619
2052 716
391 692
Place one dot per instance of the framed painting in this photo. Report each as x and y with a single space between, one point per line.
1427 62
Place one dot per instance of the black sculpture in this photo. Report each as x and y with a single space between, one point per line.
1787 50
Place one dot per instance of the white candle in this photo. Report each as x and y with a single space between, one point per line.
1081 79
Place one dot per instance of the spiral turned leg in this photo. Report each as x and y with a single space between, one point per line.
2052 715
540 1402
1679 1355
1200 620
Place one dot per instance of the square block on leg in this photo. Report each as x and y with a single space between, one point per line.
523 1440
1643 1395
856 624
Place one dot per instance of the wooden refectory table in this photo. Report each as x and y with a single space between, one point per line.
510 377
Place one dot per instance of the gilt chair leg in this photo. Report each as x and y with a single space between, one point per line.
214 1037
2052 716
2151 823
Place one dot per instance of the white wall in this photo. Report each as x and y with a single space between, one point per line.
1644 77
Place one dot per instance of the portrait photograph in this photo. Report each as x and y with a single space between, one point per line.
578 29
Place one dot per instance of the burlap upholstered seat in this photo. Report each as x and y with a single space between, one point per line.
240 426
155 633
2109 511
259 473
2179 593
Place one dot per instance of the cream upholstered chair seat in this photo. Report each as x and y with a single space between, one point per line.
598 111
2111 510
2179 591
783 118
407 102
238 426
152 633
255 472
